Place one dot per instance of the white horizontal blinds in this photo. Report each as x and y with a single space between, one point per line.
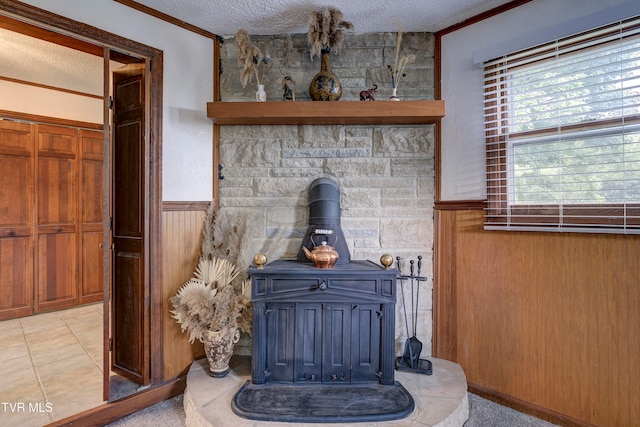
563 134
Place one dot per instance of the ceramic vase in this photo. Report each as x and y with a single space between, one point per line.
394 96
325 86
261 95
218 346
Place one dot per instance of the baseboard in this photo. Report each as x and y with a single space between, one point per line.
526 407
112 411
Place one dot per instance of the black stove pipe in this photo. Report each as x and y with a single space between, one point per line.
324 220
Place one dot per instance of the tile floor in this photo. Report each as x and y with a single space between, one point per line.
50 366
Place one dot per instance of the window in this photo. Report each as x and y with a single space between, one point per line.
563 134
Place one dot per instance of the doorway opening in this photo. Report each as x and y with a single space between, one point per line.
115 49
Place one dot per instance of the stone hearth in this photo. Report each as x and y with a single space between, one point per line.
441 399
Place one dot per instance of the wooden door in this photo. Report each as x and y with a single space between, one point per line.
129 292
16 219
56 248
91 217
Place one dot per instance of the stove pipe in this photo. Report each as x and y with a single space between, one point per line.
324 220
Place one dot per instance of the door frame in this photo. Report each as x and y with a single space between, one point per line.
108 45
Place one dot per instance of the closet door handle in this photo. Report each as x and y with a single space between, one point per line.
57 228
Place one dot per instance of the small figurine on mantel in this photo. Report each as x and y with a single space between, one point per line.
367 95
289 88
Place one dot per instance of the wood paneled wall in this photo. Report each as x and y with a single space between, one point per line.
546 322
182 238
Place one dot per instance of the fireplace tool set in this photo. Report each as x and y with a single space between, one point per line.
410 360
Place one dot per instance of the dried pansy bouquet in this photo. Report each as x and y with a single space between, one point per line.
250 57
325 30
217 298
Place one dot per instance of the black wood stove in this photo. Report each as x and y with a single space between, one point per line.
323 338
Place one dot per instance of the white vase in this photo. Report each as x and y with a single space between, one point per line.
261 95
393 96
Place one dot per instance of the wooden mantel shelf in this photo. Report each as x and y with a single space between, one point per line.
324 113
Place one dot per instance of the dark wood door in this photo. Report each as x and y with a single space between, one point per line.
57 204
129 293
16 219
90 245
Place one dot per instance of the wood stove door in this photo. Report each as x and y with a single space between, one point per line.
336 352
280 330
366 325
308 347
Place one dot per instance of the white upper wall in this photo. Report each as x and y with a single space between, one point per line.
463 149
49 103
187 134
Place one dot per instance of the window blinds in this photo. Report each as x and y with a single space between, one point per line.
562 126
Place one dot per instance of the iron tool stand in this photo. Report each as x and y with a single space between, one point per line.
410 360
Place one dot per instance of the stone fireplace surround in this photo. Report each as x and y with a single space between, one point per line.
385 173
386 177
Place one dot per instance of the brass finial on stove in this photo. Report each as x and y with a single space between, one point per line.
386 260
260 259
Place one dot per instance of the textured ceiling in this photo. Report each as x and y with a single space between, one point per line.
266 17
31 59
49 64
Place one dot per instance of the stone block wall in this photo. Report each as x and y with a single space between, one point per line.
360 63
385 173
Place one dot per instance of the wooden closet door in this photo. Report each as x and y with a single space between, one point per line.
56 266
91 224
16 213
129 290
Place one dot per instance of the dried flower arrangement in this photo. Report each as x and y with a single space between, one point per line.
397 71
227 234
325 30
249 58
217 297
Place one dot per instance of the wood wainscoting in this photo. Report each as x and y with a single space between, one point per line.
548 323
181 239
